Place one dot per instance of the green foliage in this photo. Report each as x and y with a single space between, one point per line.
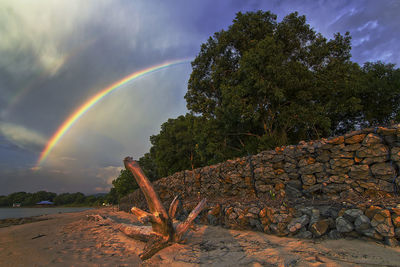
148 165
112 196
30 199
4 201
64 199
18 197
380 95
124 184
270 83
174 148
77 199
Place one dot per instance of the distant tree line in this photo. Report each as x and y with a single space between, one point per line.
262 84
66 199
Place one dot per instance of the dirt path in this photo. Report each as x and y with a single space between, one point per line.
71 240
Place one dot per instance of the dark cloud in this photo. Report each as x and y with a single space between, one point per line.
13 156
22 137
372 24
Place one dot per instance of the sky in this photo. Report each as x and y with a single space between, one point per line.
57 54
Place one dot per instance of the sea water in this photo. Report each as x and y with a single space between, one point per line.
28 212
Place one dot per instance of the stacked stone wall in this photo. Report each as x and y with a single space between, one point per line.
358 164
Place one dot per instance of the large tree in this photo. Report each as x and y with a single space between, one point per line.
148 165
380 95
175 147
270 83
263 83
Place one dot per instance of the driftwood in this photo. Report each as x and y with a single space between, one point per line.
162 232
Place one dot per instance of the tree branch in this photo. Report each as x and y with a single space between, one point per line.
162 224
173 207
184 226
145 217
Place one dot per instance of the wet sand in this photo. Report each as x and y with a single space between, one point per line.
71 240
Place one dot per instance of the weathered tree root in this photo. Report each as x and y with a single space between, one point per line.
162 232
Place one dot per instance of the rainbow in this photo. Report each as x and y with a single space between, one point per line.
69 122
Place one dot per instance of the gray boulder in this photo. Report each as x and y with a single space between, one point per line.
335 234
307 210
343 225
329 211
352 214
255 223
362 223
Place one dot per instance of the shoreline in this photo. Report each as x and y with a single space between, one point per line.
50 207
71 239
27 212
7 222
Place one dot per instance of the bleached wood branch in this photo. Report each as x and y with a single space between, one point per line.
162 233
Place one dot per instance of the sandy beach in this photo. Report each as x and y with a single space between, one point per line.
71 239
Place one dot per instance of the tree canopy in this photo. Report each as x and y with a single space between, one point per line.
174 141
380 93
264 83
272 83
124 184
69 199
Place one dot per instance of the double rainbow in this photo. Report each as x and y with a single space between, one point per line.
69 122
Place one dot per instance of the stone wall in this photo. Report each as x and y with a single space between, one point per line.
261 191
